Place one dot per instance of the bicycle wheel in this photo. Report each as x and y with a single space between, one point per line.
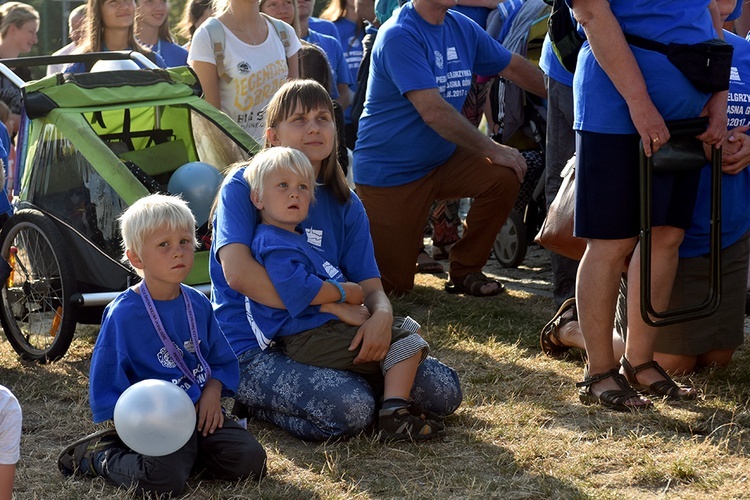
511 242
35 308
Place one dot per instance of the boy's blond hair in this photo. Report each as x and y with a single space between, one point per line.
275 159
150 213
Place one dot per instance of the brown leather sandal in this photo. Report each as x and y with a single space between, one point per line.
428 265
615 399
549 338
472 284
667 388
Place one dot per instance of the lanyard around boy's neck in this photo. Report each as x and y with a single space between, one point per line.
168 344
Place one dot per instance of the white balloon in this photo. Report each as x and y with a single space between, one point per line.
154 417
113 65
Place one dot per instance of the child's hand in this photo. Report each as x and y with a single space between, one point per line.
208 408
351 314
373 338
354 293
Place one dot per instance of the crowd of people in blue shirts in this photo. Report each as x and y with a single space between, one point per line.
297 256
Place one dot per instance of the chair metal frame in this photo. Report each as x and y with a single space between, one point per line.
685 153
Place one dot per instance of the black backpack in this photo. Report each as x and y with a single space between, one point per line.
563 33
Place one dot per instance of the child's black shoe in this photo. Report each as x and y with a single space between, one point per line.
409 423
79 457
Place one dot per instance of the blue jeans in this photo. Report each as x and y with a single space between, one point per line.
316 403
561 145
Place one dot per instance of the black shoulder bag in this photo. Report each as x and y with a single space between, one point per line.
563 33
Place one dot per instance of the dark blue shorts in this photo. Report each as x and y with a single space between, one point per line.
607 189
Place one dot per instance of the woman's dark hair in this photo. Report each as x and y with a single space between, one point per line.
313 64
194 10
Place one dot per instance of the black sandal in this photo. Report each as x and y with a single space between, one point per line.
614 399
408 424
667 388
549 338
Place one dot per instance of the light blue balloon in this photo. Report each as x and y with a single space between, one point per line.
197 183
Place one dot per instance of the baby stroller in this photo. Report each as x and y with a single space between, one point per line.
520 121
90 145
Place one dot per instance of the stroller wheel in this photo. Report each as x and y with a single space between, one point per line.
35 309
511 242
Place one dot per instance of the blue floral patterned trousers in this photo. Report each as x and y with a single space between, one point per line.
317 403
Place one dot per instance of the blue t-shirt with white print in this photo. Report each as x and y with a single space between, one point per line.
599 107
129 350
340 230
735 189
395 146
297 271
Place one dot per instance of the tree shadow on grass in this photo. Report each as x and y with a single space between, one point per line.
493 344
457 466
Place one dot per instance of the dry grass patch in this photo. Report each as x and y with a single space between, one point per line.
520 433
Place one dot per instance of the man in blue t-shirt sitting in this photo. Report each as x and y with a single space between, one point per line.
414 146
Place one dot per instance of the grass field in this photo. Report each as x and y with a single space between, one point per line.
520 432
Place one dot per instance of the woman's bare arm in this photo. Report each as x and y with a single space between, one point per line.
209 80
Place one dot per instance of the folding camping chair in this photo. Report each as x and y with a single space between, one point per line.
682 152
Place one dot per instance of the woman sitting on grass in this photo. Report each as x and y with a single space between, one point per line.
282 186
310 402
